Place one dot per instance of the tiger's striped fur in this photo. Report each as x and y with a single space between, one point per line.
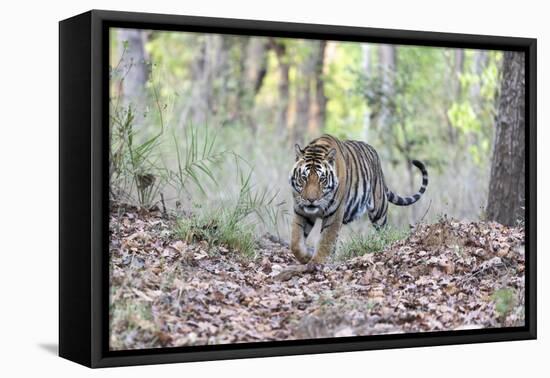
339 181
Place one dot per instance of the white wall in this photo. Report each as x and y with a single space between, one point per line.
28 184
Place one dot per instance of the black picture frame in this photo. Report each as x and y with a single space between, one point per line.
83 182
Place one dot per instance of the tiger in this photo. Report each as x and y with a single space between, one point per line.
338 182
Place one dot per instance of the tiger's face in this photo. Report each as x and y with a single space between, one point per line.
313 180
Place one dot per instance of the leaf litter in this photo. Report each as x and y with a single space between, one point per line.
165 292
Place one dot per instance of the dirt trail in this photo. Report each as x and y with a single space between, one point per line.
444 276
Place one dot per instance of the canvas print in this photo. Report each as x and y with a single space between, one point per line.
272 189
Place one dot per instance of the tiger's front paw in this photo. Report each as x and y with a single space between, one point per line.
303 255
322 255
319 259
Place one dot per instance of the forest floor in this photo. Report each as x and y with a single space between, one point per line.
449 275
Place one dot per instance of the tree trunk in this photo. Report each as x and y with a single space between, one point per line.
253 71
458 70
208 65
317 121
283 87
367 68
480 62
304 76
310 96
135 63
256 63
387 66
506 202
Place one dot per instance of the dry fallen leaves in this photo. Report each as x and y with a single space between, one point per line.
444 276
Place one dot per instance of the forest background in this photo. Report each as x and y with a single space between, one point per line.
214 116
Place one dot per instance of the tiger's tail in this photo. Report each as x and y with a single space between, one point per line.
406 201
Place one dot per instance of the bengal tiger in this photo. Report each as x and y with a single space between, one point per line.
338 181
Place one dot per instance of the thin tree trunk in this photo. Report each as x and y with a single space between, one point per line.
256 63
480 62
506 199
135 64
304 76
283 87
317 121
458 70
303 102
221 77
367 69
253 71
387 66
206 68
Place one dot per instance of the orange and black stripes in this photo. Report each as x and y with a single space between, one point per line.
340 181
365 188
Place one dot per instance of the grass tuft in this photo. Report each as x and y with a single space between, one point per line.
218 229
234 225
504 301
376 241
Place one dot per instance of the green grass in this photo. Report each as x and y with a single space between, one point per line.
196 160
127 315
234 224
134 159
376 241
217 228
504 301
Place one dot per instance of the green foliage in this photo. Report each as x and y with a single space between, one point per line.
218 229
180 68
472 112
133 163
232 225
138 172
346 107
128 315
438 111
263 203
197 161
505 300
360 243
170 53
137 163
463 117
397 102
135 173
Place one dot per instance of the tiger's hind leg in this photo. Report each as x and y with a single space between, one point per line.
379 221
377 207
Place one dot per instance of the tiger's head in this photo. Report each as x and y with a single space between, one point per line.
313 179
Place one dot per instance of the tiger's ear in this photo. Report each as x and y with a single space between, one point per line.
299 151
331 156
